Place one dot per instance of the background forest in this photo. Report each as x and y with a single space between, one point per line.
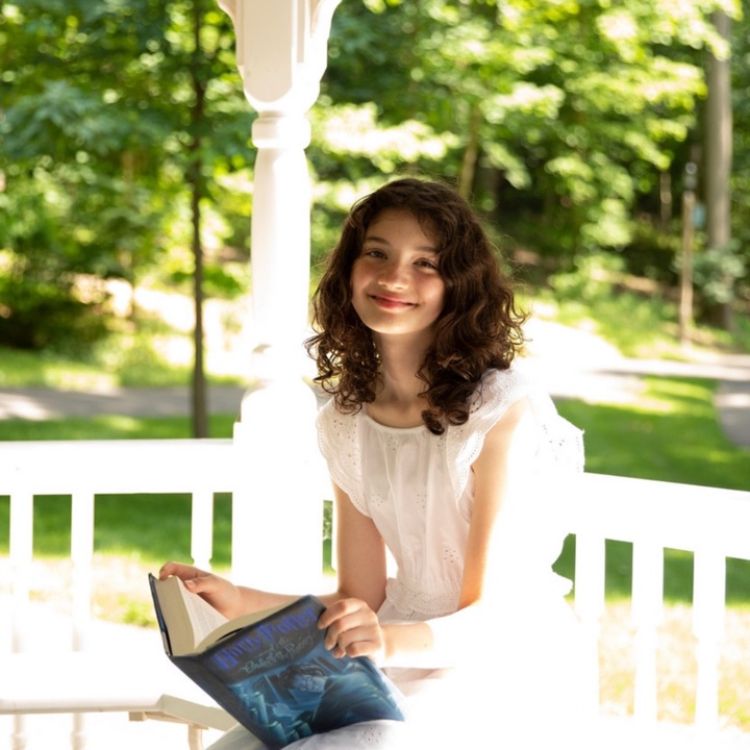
125 151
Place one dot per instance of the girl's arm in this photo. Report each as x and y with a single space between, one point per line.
446 640
361 556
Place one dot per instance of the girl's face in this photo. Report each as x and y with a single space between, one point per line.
396 286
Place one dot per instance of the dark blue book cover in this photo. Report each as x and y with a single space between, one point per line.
279 681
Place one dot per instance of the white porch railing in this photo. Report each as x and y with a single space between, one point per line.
712 523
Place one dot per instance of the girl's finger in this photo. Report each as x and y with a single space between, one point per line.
337 610
363 639
181 570
348 623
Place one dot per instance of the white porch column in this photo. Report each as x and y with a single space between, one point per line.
276 537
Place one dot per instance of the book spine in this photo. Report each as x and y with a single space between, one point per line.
159 616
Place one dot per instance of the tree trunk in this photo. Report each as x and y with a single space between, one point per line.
128 256
686 259
719 151
471 154
199 407
665 200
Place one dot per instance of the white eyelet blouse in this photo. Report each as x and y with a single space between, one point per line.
417 487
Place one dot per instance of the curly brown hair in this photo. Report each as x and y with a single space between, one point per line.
478 329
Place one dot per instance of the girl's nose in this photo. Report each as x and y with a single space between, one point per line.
393 275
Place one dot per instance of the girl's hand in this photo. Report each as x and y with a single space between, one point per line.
353 629
220 593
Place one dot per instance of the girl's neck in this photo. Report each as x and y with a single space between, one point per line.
398 401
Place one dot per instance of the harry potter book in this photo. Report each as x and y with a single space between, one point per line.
270 670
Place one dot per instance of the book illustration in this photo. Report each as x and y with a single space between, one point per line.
276 677
314 696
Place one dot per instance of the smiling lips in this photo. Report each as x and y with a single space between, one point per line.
390 303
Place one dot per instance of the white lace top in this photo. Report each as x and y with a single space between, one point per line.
418 489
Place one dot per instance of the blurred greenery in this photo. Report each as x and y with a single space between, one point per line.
569 124
126 359
597 295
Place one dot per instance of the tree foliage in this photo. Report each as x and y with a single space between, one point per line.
562 114
562 120
96 131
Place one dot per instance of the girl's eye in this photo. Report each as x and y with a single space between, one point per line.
429 264
373 253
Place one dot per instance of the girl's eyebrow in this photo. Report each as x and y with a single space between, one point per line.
383 241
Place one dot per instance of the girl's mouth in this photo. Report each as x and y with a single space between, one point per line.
390 303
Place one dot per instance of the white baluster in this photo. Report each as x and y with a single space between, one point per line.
202 528
81 555
647 607
589 605
21 556
709 594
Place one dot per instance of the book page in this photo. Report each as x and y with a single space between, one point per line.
188 617
203 617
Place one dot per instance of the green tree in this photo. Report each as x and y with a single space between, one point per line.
116 118
76 148
561 114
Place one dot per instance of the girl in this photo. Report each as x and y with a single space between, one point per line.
444 453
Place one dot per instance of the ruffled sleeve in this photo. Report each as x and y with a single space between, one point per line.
339 442
560 445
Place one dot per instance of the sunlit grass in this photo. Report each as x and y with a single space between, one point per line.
22 369
123 359
672 434
110 427
651 328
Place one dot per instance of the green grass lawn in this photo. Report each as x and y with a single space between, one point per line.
672 434
120 360
111 427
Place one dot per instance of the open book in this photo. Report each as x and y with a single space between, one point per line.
270 670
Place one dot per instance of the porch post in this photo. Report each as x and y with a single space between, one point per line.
277 516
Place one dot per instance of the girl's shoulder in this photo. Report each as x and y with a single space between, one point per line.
558 441
340 447
332 420
500 389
